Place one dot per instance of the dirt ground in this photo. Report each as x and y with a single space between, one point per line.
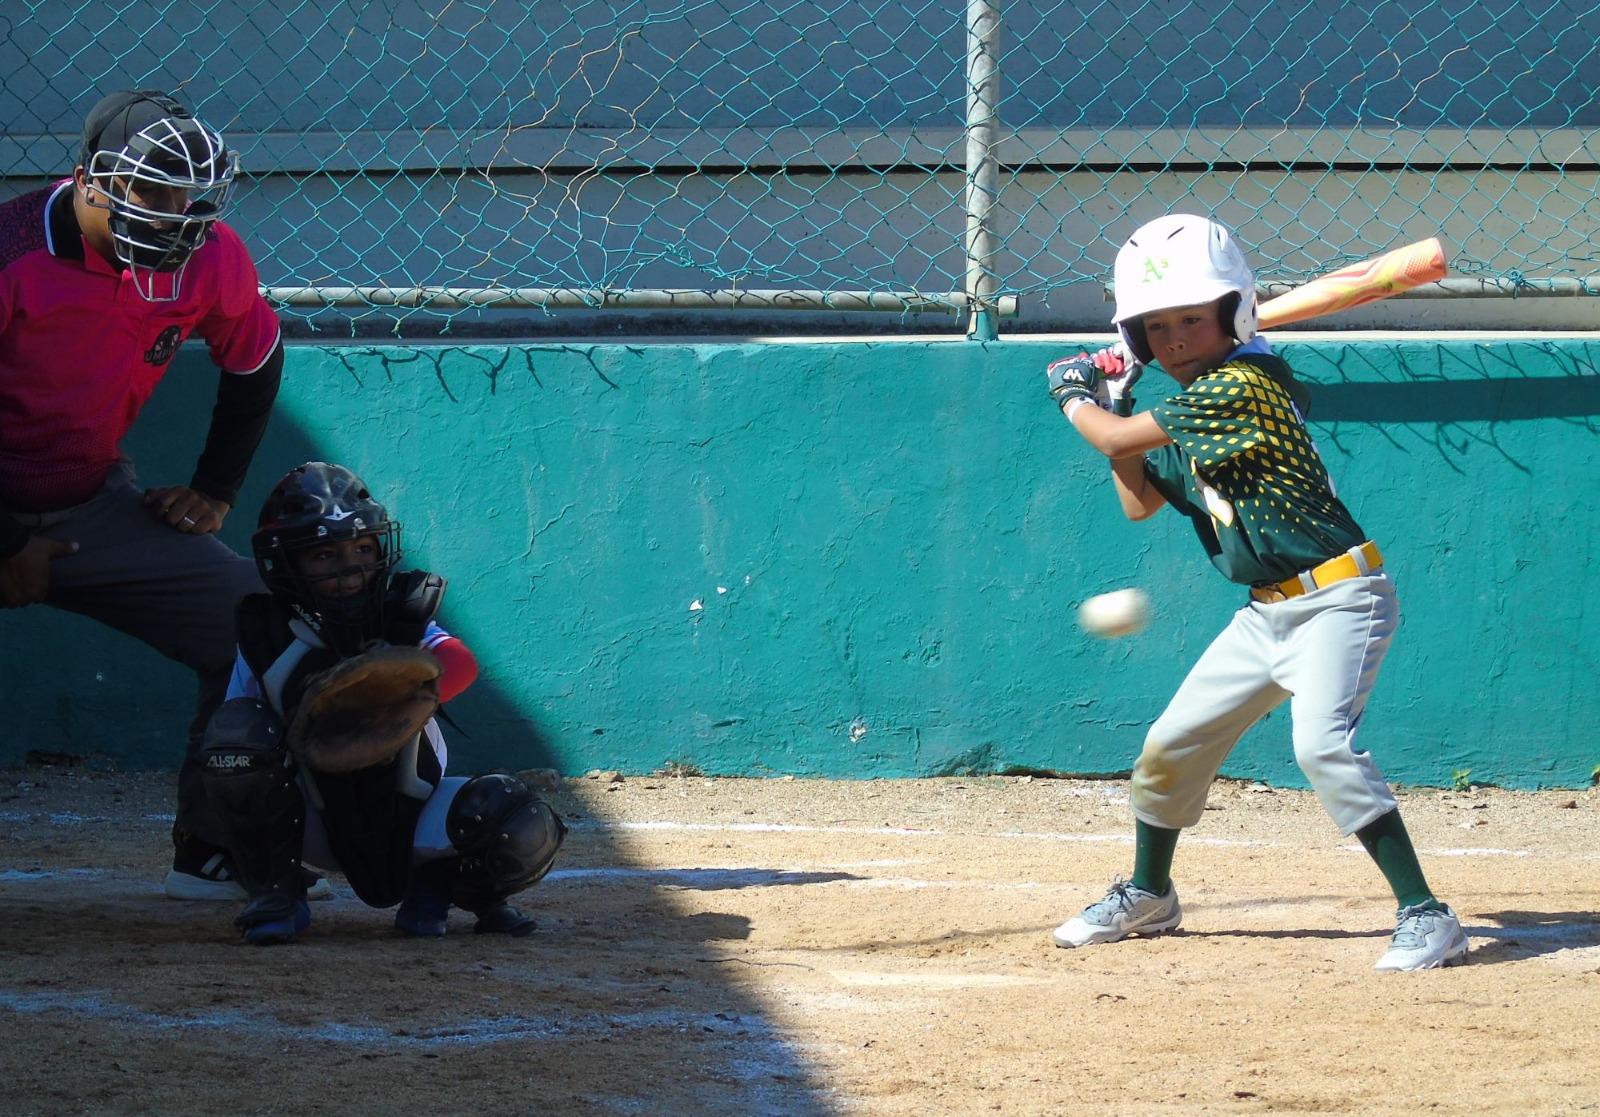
816 947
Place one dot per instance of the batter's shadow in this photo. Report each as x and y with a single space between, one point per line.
1283 933
1521 934
1529 934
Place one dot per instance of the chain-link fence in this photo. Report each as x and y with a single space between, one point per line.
428 157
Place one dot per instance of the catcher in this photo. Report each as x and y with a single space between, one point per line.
326 750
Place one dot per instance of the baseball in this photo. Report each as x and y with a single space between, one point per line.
1119 613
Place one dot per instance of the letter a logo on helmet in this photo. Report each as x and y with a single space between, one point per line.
1182 260
1154 270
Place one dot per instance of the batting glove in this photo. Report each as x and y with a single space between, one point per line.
1075 378
1121 371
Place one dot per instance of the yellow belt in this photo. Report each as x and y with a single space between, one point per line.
1352 564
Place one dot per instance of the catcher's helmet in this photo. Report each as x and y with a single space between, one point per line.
140 145
315 504
1182 260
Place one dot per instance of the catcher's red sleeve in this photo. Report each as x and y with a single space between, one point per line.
460 667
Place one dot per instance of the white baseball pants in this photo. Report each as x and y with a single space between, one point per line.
1322 651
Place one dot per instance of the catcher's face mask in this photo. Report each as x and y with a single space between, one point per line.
343 568
324 546
337 585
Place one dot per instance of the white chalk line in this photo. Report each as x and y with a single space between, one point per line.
695 878
760 828
1010 835
773 1070
740 876
669 825
699 878
472 1032
14 876
1468 851
68 819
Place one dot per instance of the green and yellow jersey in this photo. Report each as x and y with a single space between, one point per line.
1244 470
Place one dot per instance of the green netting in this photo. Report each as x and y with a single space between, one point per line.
589 153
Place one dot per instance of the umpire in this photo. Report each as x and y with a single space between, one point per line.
102 277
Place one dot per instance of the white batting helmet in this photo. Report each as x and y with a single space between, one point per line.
1182 260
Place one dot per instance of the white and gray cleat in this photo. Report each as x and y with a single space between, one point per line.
1125 910
1425 939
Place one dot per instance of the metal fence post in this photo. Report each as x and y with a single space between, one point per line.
983 167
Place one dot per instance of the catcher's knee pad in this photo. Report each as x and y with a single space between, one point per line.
249 778
507 836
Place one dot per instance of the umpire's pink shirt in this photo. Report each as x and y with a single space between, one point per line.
81 351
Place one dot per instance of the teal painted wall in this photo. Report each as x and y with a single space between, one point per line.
864 560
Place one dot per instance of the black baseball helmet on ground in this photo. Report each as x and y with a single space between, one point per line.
313 505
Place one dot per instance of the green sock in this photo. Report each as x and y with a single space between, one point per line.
1153 847
1390 846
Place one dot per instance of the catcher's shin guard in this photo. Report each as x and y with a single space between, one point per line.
508 838
250 780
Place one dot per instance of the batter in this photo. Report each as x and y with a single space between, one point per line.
1231 452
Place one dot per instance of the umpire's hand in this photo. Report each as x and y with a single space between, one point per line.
25 576
187 510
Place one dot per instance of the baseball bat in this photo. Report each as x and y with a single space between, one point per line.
1357 284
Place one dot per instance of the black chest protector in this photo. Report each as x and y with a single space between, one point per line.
370 815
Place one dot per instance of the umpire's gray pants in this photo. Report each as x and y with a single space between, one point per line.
1322 651
174 591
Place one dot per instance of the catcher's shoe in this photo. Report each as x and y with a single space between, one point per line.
503 919
425 911
1126 910
273 918
201 871
1425 938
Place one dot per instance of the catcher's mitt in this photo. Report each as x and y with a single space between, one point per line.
365 709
